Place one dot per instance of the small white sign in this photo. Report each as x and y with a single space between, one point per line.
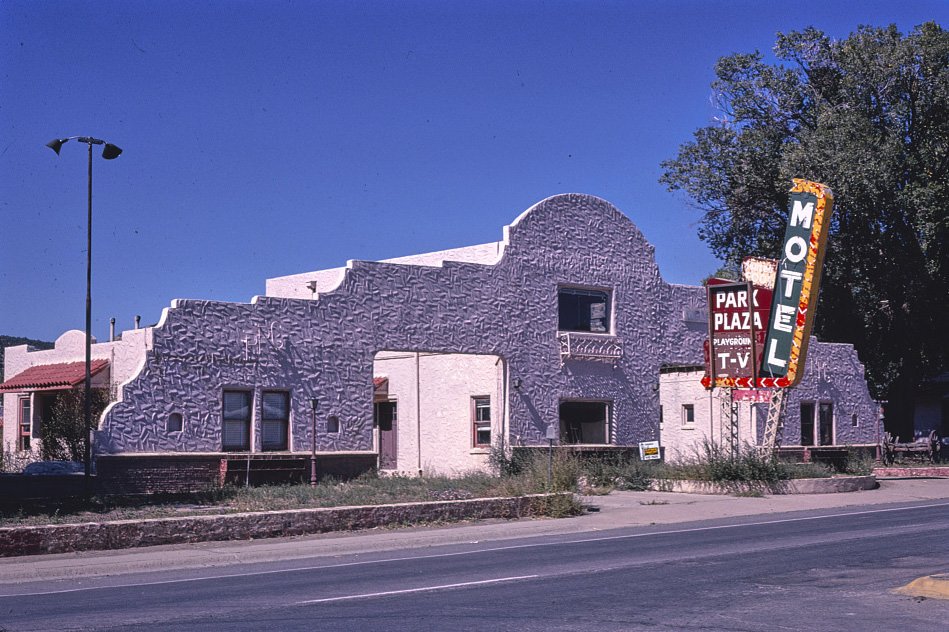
649 451
553 433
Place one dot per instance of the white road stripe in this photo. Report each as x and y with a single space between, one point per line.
415 590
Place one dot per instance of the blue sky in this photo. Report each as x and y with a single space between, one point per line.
269 138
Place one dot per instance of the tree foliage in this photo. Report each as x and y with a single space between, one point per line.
63 429
869 117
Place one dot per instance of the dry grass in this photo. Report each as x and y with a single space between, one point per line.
368 489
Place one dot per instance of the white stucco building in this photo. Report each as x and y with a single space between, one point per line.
414 364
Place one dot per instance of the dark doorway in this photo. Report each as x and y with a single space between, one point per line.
387 420
584 422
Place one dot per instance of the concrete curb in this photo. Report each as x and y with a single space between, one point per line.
932 586
125 534
935 470
795 486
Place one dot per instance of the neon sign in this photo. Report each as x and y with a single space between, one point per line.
795 294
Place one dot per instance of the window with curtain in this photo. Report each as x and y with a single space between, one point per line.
235 431
274 420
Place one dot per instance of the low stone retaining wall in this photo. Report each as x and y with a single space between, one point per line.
123 534
795 486
935 470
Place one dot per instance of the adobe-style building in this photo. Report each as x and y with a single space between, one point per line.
417 364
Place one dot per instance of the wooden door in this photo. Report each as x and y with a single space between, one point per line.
387 420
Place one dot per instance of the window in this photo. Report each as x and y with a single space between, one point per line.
174 423
662 419
481 418
235 430
807 423
274 419
25 418
819 430
584 422
853 420
688 415
826 420
332 424
583 310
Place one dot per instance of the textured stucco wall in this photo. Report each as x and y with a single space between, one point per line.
833 373
325 347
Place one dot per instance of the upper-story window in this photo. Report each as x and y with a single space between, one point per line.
582 309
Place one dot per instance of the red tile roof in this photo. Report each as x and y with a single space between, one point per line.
52 376
380 383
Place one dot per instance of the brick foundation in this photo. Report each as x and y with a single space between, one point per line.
187 473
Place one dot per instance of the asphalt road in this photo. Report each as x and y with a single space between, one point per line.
825 569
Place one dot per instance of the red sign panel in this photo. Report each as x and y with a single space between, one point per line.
738 317
751 395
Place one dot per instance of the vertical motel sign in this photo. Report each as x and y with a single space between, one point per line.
795 293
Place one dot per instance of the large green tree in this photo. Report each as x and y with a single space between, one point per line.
867 116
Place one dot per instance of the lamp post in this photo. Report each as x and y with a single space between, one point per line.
109 152
314 403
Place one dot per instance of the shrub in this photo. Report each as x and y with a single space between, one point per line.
555 471
716 463
13 461
557 506
63 432
505 461
623 472
859 462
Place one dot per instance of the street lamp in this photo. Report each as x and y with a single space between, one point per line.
109 152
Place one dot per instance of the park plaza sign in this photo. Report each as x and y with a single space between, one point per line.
738 319
740 351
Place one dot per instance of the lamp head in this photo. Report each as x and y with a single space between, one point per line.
110 151
56 145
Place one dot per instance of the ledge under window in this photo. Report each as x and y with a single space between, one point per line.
584 346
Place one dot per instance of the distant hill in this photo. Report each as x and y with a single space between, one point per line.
13 341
